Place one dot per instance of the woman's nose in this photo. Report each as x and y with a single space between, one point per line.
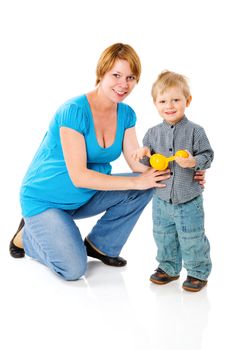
123 82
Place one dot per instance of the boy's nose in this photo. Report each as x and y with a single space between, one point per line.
169 104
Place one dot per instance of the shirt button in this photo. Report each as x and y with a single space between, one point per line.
170 149
171 173
172 126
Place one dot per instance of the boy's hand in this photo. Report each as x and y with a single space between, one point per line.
189 162
140 153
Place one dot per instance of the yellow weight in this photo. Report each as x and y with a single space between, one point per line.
160 162
182 153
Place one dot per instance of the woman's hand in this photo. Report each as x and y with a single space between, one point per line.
151 179
200 177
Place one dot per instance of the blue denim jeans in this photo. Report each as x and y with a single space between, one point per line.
53 238
179 235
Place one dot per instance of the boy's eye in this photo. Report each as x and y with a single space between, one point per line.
162 101
176 99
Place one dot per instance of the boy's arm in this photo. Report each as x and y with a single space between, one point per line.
202 151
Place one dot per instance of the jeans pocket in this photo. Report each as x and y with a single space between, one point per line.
198 203
191 216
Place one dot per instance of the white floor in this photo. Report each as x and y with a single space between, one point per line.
113 308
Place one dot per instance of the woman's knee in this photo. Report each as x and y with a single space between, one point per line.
71 270
149 194
145 196
74 275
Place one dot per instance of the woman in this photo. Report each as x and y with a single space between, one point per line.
70 175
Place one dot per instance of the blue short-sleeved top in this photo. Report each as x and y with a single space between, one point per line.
47 183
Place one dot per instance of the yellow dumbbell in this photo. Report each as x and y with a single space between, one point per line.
160 162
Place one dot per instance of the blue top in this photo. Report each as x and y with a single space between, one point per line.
47 183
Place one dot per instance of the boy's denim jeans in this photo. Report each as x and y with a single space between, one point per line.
53 238
179 235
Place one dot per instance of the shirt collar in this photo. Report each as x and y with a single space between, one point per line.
181 123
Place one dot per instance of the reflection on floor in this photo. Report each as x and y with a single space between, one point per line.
114 308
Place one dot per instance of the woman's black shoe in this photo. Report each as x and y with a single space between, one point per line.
108 260
15 251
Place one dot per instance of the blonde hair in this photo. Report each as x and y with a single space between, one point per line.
114 52
167 80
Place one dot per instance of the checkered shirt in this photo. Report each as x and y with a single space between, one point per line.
166 139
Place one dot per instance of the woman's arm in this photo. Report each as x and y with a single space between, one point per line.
130 144
74 151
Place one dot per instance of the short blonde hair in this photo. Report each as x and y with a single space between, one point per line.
167 80
114 52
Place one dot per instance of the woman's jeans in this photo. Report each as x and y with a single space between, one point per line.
53 238
179 234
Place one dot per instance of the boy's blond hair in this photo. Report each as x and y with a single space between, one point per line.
114 52
167 80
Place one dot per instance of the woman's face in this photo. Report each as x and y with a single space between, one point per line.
118 83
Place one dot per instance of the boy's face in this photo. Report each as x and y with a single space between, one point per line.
171 104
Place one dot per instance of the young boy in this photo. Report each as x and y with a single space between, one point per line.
178 216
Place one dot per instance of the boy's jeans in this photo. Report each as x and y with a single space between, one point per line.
53 238
179 234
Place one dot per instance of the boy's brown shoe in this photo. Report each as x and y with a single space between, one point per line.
161 277
192 284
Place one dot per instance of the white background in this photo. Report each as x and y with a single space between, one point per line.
49 51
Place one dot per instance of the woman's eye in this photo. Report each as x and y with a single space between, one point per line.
116 75
176 99
131 78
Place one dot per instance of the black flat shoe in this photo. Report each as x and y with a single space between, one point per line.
108 260
15 251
